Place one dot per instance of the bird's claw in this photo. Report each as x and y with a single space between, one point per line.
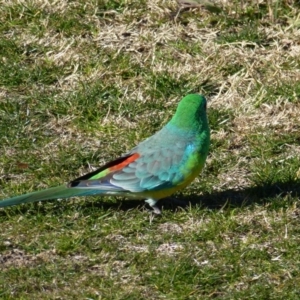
153 205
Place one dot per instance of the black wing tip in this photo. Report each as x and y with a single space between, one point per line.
87 176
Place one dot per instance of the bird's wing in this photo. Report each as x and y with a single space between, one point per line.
138 171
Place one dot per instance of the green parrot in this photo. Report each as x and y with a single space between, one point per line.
156 168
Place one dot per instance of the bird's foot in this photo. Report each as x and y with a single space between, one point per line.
153 205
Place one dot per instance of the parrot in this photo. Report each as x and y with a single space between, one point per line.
156 168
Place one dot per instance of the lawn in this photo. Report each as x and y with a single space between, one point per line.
82 82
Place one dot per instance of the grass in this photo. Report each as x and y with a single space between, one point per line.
83 82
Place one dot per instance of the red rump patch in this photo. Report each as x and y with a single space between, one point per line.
125 162
114 165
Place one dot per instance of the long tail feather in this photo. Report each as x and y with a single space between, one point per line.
61 191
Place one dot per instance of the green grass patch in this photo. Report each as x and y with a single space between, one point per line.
289 91
82 82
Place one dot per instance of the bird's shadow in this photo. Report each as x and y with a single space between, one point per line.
261 194
231 198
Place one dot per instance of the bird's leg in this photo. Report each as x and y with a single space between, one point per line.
152 203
